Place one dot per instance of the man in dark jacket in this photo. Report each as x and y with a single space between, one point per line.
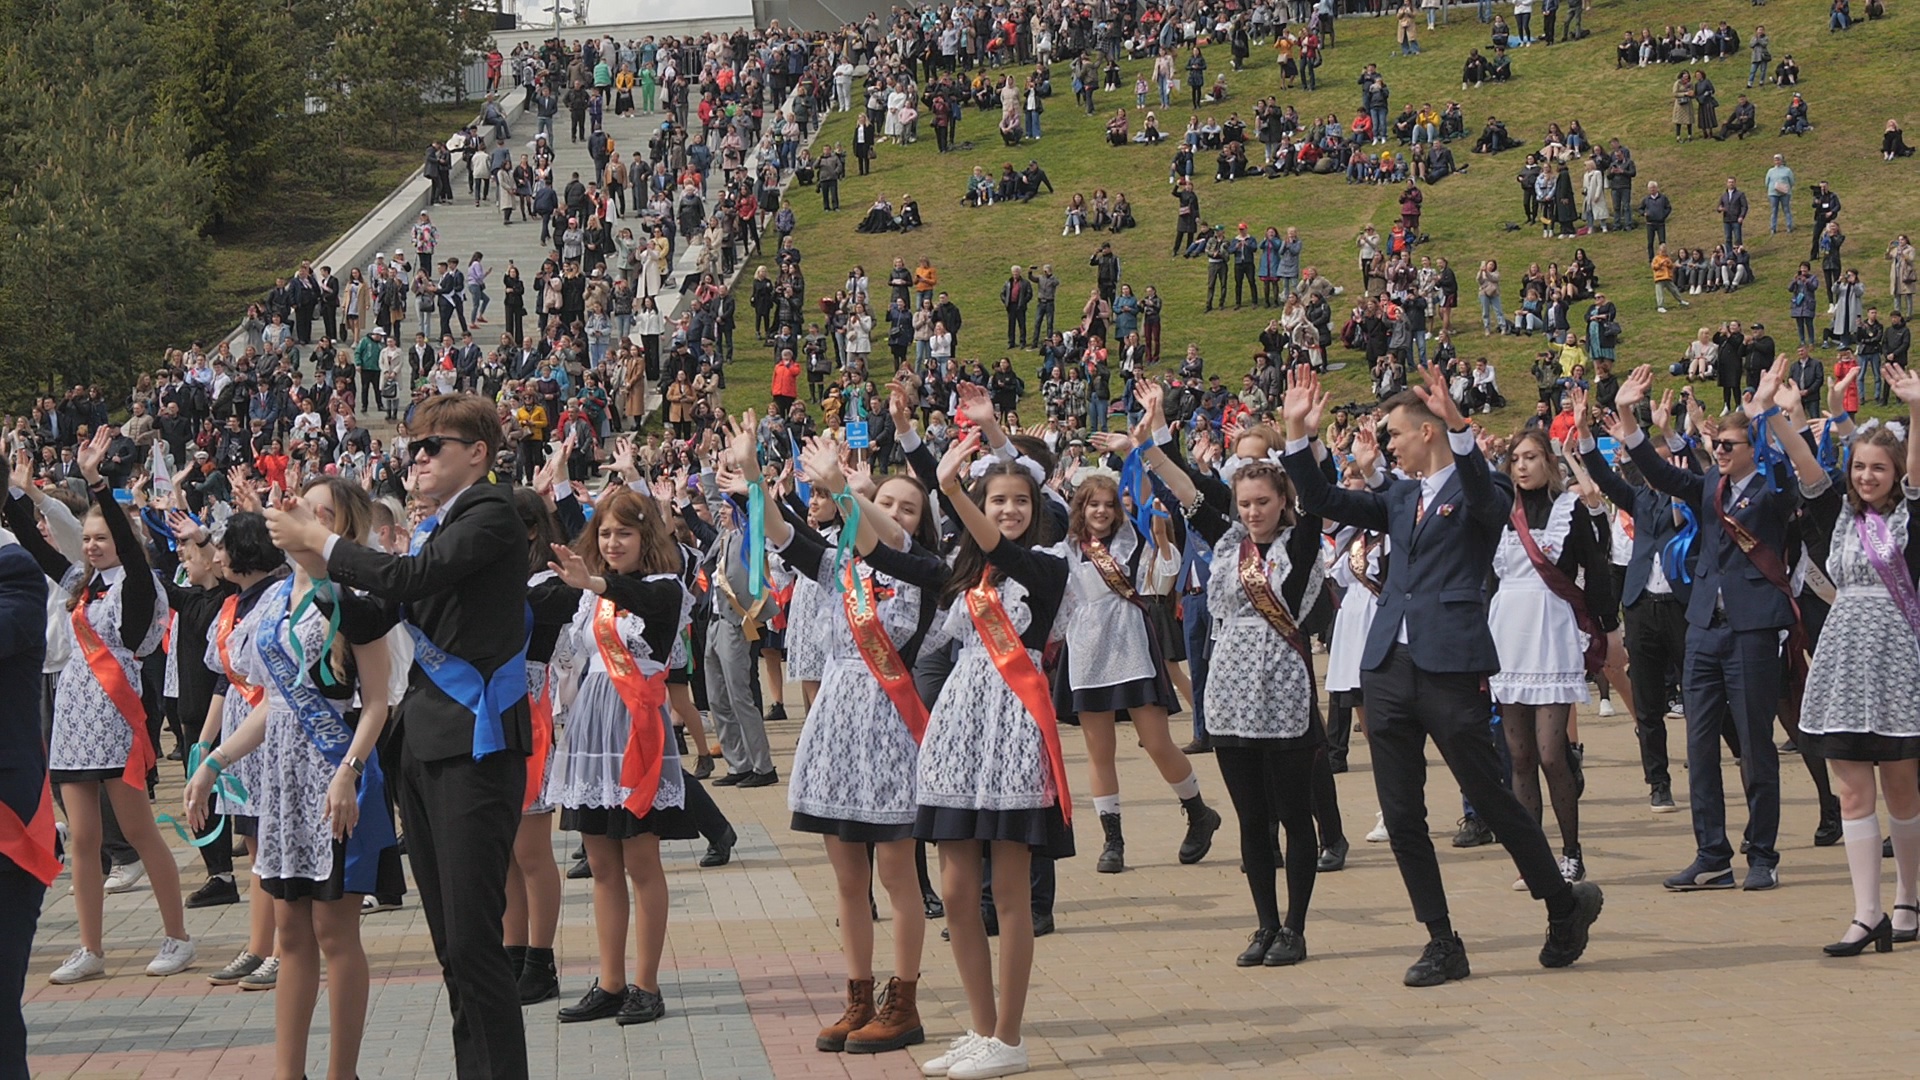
1015 295
1656 209
28 857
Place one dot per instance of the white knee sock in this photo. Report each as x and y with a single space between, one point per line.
1906 857
1188 788
1110 804
1863 864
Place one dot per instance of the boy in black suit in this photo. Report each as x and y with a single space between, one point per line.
465 726
1424 669
27 860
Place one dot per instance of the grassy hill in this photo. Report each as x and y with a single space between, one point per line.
1851 81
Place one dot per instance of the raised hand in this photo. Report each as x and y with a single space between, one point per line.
743 449
623 459
898 408
1302 403
294 528
20 475
181 526
1577 396
954 463
1366 449
1111 442
1905 386
1438 401
1635 389
1663 411
1152 399
90 455
1619 426
1789 397
1770 381
246 497
975 405
663 492
570 567
860 477
821 460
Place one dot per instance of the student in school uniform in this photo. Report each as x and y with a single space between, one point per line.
119 615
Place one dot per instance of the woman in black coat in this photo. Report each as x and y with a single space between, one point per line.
1729 364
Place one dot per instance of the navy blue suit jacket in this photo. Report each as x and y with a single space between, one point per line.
1653 527
1436 577
23 645
1723 570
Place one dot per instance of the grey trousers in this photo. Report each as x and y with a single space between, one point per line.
730 704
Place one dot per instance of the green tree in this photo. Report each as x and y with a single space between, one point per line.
233 79
101 263
388 58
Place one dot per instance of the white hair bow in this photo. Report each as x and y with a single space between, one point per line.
1235 463
982 464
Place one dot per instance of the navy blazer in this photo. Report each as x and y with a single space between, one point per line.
1723 570
1436 579
1653 527
23 645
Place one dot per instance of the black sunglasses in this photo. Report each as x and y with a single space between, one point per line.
433 444
1728 445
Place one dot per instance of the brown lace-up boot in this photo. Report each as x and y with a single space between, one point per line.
898 1024
833 1037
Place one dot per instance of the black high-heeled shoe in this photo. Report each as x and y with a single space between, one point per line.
1902 936
1880 936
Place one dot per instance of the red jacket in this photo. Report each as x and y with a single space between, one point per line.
786 379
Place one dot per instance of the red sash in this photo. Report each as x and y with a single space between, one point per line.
643 696
877 649
112 679
1259 590
30 844
1010 657
1562 586
223 630
541 705
1767 561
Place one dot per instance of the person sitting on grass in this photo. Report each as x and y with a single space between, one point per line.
1117 128
1740 121
879 217
1796 122
1149 133
979 188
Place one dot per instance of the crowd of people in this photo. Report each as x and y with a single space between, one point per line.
243 562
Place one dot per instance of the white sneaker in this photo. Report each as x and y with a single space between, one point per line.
1606 706
174 957
81 966
990 1057
125 876
958 1050
1519 884
1379 833
1663 311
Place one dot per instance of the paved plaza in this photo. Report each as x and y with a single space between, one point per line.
1139 980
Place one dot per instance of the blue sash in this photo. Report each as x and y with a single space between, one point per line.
485 698
326 729
420 534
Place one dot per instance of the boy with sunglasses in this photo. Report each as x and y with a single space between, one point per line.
462 768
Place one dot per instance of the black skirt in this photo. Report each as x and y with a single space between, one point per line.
1043 830
619 823
84 776
1863 746
1164 619
1116 699
334 888
852 832
1314 737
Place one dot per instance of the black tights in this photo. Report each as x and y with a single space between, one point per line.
1537 740
1272 786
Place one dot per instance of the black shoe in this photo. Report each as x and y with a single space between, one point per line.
1880 936
640 1007
176 754
598 1004
1444 960
761 779
1113 857
778 712
1907 935
1333 858
1042 925
936 908
1202 822
1886 848
1198 746
579 871
217 891
993 927
1700 878
1661 801
1289 948
1576 760
1336 765
1828 832
1761 879
702 767
720 852
733 778
1567 938
1473 833
539 978
1257 945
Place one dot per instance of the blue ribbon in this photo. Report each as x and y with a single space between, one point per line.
1765 453
844 549
755 548
1135 482
326 729
1828 453
322 590
1673 557
800 485
421 533
486 698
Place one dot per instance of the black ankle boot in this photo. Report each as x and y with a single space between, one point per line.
1202 822
539 978
1113 857
516 960
1828 832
